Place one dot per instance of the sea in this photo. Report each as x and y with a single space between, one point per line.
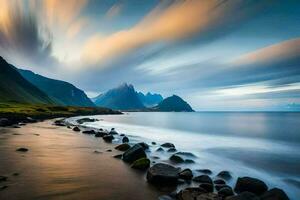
264 145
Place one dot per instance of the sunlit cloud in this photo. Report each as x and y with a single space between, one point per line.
177 21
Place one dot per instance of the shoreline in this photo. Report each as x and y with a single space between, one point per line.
61 164
188 186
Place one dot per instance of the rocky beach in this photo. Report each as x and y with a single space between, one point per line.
56 158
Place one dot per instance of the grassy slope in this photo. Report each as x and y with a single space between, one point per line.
42 111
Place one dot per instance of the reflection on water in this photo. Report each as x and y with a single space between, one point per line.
263 145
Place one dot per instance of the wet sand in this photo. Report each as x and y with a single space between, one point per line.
61 164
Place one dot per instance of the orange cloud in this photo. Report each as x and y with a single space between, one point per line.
283 50
177 21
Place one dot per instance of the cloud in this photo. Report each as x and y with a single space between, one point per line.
179 20
114 11
281 51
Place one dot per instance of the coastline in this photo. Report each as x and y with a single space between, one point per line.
62 164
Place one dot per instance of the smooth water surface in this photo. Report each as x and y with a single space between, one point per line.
262 145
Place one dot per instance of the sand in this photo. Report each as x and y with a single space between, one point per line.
62 164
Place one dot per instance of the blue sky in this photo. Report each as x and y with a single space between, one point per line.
218 55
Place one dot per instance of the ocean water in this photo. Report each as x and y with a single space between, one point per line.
265 145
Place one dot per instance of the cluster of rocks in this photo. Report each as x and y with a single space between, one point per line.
16 122
203 187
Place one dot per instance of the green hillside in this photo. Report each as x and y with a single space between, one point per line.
14 88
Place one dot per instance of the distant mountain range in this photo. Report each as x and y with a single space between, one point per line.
149 99
63 93
125 97
15 88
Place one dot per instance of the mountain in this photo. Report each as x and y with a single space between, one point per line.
123 97
150 100
173 104
13 87
63 93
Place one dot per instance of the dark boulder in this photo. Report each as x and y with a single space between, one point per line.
203 179
76 128
244 196
190 193
141 164
5 122
225 175
207 186
168 145
118 156
176 159
83 120
3 178
159 149
172 150
248 184
225 192
144 145
219 181
189 161
153 143
163 174
188 154
123 147
108 138
100 134
220 186
59 122
89 132
204 171
186 174
274 194
22 149
134 153
113 132
125 139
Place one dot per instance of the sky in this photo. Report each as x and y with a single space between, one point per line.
219 55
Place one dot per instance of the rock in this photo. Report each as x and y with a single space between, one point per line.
16 174
153 143
220 186
69 127
109 150
30 120
207 186
144 145
134 153
219 181
123 147
176 159
165 197
248 184
108 138
186 174
118 156
168 145
196 193
83 120
188 154
225 175
155 157
76 129
172 150
96 151
141 164
125 139
203 179
100 134
22 149
15 126
159 149
5 122
162 174
113 132
274 194
225 192
204 171
59 122
3 178
244 196
189 161
90 132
